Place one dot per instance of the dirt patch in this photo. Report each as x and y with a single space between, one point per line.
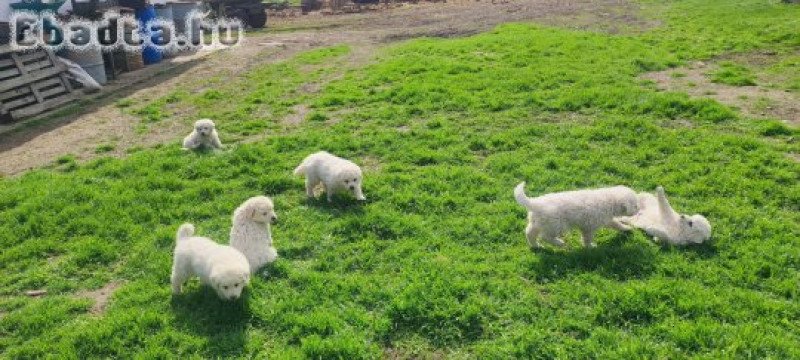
100 297
298 115
752 101
102 122
371 164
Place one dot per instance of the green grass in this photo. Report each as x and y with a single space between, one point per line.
787 72
730 73
435 263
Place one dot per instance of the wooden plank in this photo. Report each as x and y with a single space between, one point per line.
40 85
28 78
60 89
66 82
34 66
42 107
57 63
64 77
9 73
5 49
15 93
37 95
20 102
18 61
37 83
30 56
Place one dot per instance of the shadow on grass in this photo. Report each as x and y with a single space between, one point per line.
204 151
702 251
297 252
341 203
201 312
622 258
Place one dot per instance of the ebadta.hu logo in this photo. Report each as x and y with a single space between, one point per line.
113 30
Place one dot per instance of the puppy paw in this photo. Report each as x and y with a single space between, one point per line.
557 242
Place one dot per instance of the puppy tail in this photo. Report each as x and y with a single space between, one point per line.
184 232
519 195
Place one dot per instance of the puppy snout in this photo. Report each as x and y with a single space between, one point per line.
274 219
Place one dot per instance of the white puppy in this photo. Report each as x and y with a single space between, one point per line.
657 218
551 215
204 135
251 233
222 267
335 174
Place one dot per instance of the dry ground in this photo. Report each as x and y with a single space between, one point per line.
102 123
757 101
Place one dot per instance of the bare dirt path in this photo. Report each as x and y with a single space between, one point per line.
102 123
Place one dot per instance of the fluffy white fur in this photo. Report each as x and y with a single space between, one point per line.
222 267
551 215
204 135
657 218
251 233
334 173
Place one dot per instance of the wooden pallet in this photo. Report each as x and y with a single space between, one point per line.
31 82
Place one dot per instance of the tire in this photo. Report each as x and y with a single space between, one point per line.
257 20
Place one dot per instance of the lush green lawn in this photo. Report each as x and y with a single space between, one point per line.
435 263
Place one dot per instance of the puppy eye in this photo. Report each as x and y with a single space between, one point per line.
225 287
690 224
354 180
236 285
346 181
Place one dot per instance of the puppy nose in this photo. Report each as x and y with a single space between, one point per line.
274 219
352 187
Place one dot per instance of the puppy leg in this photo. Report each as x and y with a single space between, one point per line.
311 182
190 143
272 254
180 274
555 241
532 233
328 191
657 233
215 143
552 236
588 238
668 215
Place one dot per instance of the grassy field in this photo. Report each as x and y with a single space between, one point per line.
435 263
